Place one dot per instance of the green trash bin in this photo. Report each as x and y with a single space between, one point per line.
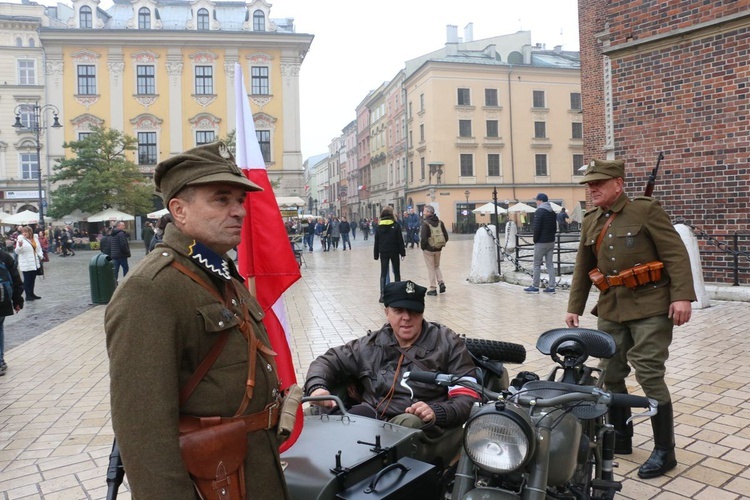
102 278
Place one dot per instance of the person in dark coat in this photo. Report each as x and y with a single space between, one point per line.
545 228
344 228
147 234
120 249
12 306
389 244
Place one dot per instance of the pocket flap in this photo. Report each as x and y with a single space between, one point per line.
625 231
214 451
217 318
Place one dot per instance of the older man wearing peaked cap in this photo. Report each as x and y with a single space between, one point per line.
167 317
631 252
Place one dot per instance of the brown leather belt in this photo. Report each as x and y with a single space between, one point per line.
632 277
262 420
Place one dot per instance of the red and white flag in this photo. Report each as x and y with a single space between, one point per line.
265 253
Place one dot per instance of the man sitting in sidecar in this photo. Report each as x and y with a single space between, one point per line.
376 363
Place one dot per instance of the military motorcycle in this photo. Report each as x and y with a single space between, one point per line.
533 440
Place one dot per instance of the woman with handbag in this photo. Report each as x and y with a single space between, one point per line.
30 256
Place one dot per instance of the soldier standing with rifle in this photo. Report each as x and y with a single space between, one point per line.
631 252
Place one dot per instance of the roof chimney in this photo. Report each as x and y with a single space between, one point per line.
469 33
451 34
558 49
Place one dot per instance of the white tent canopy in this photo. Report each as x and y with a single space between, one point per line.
110 215
489 208
290 201
23 218
522 207
158 214
555 207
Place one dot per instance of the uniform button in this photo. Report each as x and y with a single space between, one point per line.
614 271
165 254
611 247
629 234
275 393
592 241
613 259
221 323
269 367
610 235
234 302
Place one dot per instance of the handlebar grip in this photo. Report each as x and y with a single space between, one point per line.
426 377
629 401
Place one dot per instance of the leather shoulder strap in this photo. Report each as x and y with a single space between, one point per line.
600 238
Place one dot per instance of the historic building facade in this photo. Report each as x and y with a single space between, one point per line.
163 72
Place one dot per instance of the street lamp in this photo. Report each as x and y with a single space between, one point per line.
35 125
467 193
315 204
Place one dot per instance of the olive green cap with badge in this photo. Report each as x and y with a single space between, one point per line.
603 169
204 164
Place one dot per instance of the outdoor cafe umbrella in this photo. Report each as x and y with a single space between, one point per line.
109 214
158 214
522 207
489 208
23 218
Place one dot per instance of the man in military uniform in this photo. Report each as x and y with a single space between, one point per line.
624 242
165 318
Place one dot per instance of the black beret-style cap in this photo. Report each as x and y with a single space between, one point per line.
201 165
406 294
604 169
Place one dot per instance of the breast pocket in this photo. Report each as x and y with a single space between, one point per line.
629 240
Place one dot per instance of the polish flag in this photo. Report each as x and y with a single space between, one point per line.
265 253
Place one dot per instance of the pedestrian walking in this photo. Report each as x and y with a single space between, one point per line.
545 227
30 255
344 228
147 234
354 230
433 238
389 245
120 248
12 298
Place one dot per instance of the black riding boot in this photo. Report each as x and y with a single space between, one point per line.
618 417
662 459
382 287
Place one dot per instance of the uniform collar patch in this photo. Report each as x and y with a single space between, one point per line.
209 260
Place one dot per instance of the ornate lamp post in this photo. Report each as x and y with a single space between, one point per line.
36 114
467 193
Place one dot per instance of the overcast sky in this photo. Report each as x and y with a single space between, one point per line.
360 44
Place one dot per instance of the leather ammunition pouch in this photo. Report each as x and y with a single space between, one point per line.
633 277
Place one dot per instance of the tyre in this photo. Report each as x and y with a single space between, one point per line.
507 352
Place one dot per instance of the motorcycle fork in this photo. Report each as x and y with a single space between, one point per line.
536 488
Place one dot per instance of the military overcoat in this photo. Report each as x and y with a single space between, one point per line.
641 232
159 326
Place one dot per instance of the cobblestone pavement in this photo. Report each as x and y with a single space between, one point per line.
55 431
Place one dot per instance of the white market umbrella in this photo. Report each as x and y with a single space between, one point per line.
489 208
110 215
158 214
290 201
23 218
74 216
522 207
555 207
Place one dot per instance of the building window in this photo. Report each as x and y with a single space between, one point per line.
144 19
421 132
29 166
421 102
409 107
539 99
204 137
577 164
27 117
467 165
19 42
540 130
146 80
422 168
85 20
490 97
260 80
203 20
26 72
146 148
492 128
540 161
204 80
575 100
32 43
464 128
577 130
82 135
86 79
493 165
264 140
259 21
464 97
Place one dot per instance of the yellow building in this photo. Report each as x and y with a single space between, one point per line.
163 72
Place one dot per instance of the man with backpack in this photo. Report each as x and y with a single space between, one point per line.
432 239
11 298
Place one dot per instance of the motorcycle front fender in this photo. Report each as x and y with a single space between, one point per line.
490 494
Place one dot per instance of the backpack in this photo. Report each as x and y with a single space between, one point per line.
437 238
6 285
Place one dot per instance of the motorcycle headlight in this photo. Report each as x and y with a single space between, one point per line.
499 439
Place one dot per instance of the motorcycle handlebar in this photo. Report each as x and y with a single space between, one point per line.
630 401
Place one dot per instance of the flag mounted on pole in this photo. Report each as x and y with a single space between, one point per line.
265 254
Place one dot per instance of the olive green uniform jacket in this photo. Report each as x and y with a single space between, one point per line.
640 233
160 325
